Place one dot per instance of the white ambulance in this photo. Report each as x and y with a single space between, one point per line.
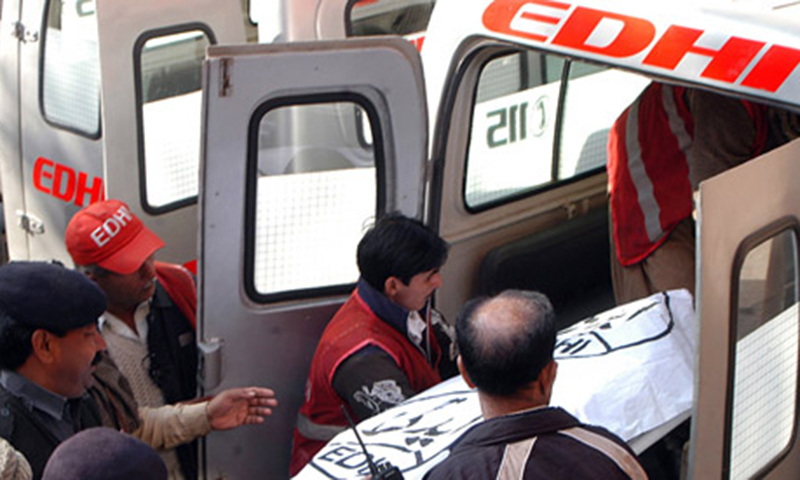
513 180
301 145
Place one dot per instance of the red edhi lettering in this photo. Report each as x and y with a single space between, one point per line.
532 19
538 20
626 36
726 64
634 36
65 184
773 69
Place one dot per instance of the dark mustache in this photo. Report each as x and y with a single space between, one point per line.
96 359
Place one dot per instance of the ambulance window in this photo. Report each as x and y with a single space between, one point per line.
314 193
764 339
595 96
70 88
388 17
513 126
168 67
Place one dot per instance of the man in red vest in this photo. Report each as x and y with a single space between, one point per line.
149 325
659 150
385 343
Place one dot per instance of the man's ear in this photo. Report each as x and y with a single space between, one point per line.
391 286
463 372
547 377
42 342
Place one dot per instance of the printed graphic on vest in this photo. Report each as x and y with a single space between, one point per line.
384 393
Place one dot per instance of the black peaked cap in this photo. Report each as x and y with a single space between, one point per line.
49 296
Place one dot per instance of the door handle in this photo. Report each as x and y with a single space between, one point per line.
210 363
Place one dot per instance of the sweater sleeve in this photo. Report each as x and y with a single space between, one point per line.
13 465
172 425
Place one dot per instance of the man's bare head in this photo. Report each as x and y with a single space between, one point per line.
507 340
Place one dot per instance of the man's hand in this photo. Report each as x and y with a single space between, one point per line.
240 406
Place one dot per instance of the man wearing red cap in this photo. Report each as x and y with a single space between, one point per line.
150 319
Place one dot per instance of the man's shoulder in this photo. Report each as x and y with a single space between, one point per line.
173 271
354 315
15 417
597 436
483 448
469 461
6 413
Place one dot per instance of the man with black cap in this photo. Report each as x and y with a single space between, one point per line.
49 344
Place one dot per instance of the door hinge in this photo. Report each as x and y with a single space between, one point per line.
29 223
23 34
225 83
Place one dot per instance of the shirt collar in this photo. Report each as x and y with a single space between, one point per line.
110 321
409 323
388 311
32 395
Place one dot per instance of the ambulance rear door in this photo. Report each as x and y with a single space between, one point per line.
745 418
151 54
304 145
50 123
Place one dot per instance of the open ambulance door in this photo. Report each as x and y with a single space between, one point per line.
304 145
151 58
745 416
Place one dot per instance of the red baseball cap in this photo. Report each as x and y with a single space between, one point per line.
108 234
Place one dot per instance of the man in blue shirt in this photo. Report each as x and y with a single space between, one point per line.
49 344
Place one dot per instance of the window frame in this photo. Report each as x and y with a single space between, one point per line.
42 52
139 45
251 189
555 158
752 241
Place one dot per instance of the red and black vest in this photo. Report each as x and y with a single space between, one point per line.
648 173
354 327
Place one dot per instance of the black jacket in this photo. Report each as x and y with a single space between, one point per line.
172 346
30 436
562 448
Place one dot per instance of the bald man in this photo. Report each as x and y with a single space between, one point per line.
506 350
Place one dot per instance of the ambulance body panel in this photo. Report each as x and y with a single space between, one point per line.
301 145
